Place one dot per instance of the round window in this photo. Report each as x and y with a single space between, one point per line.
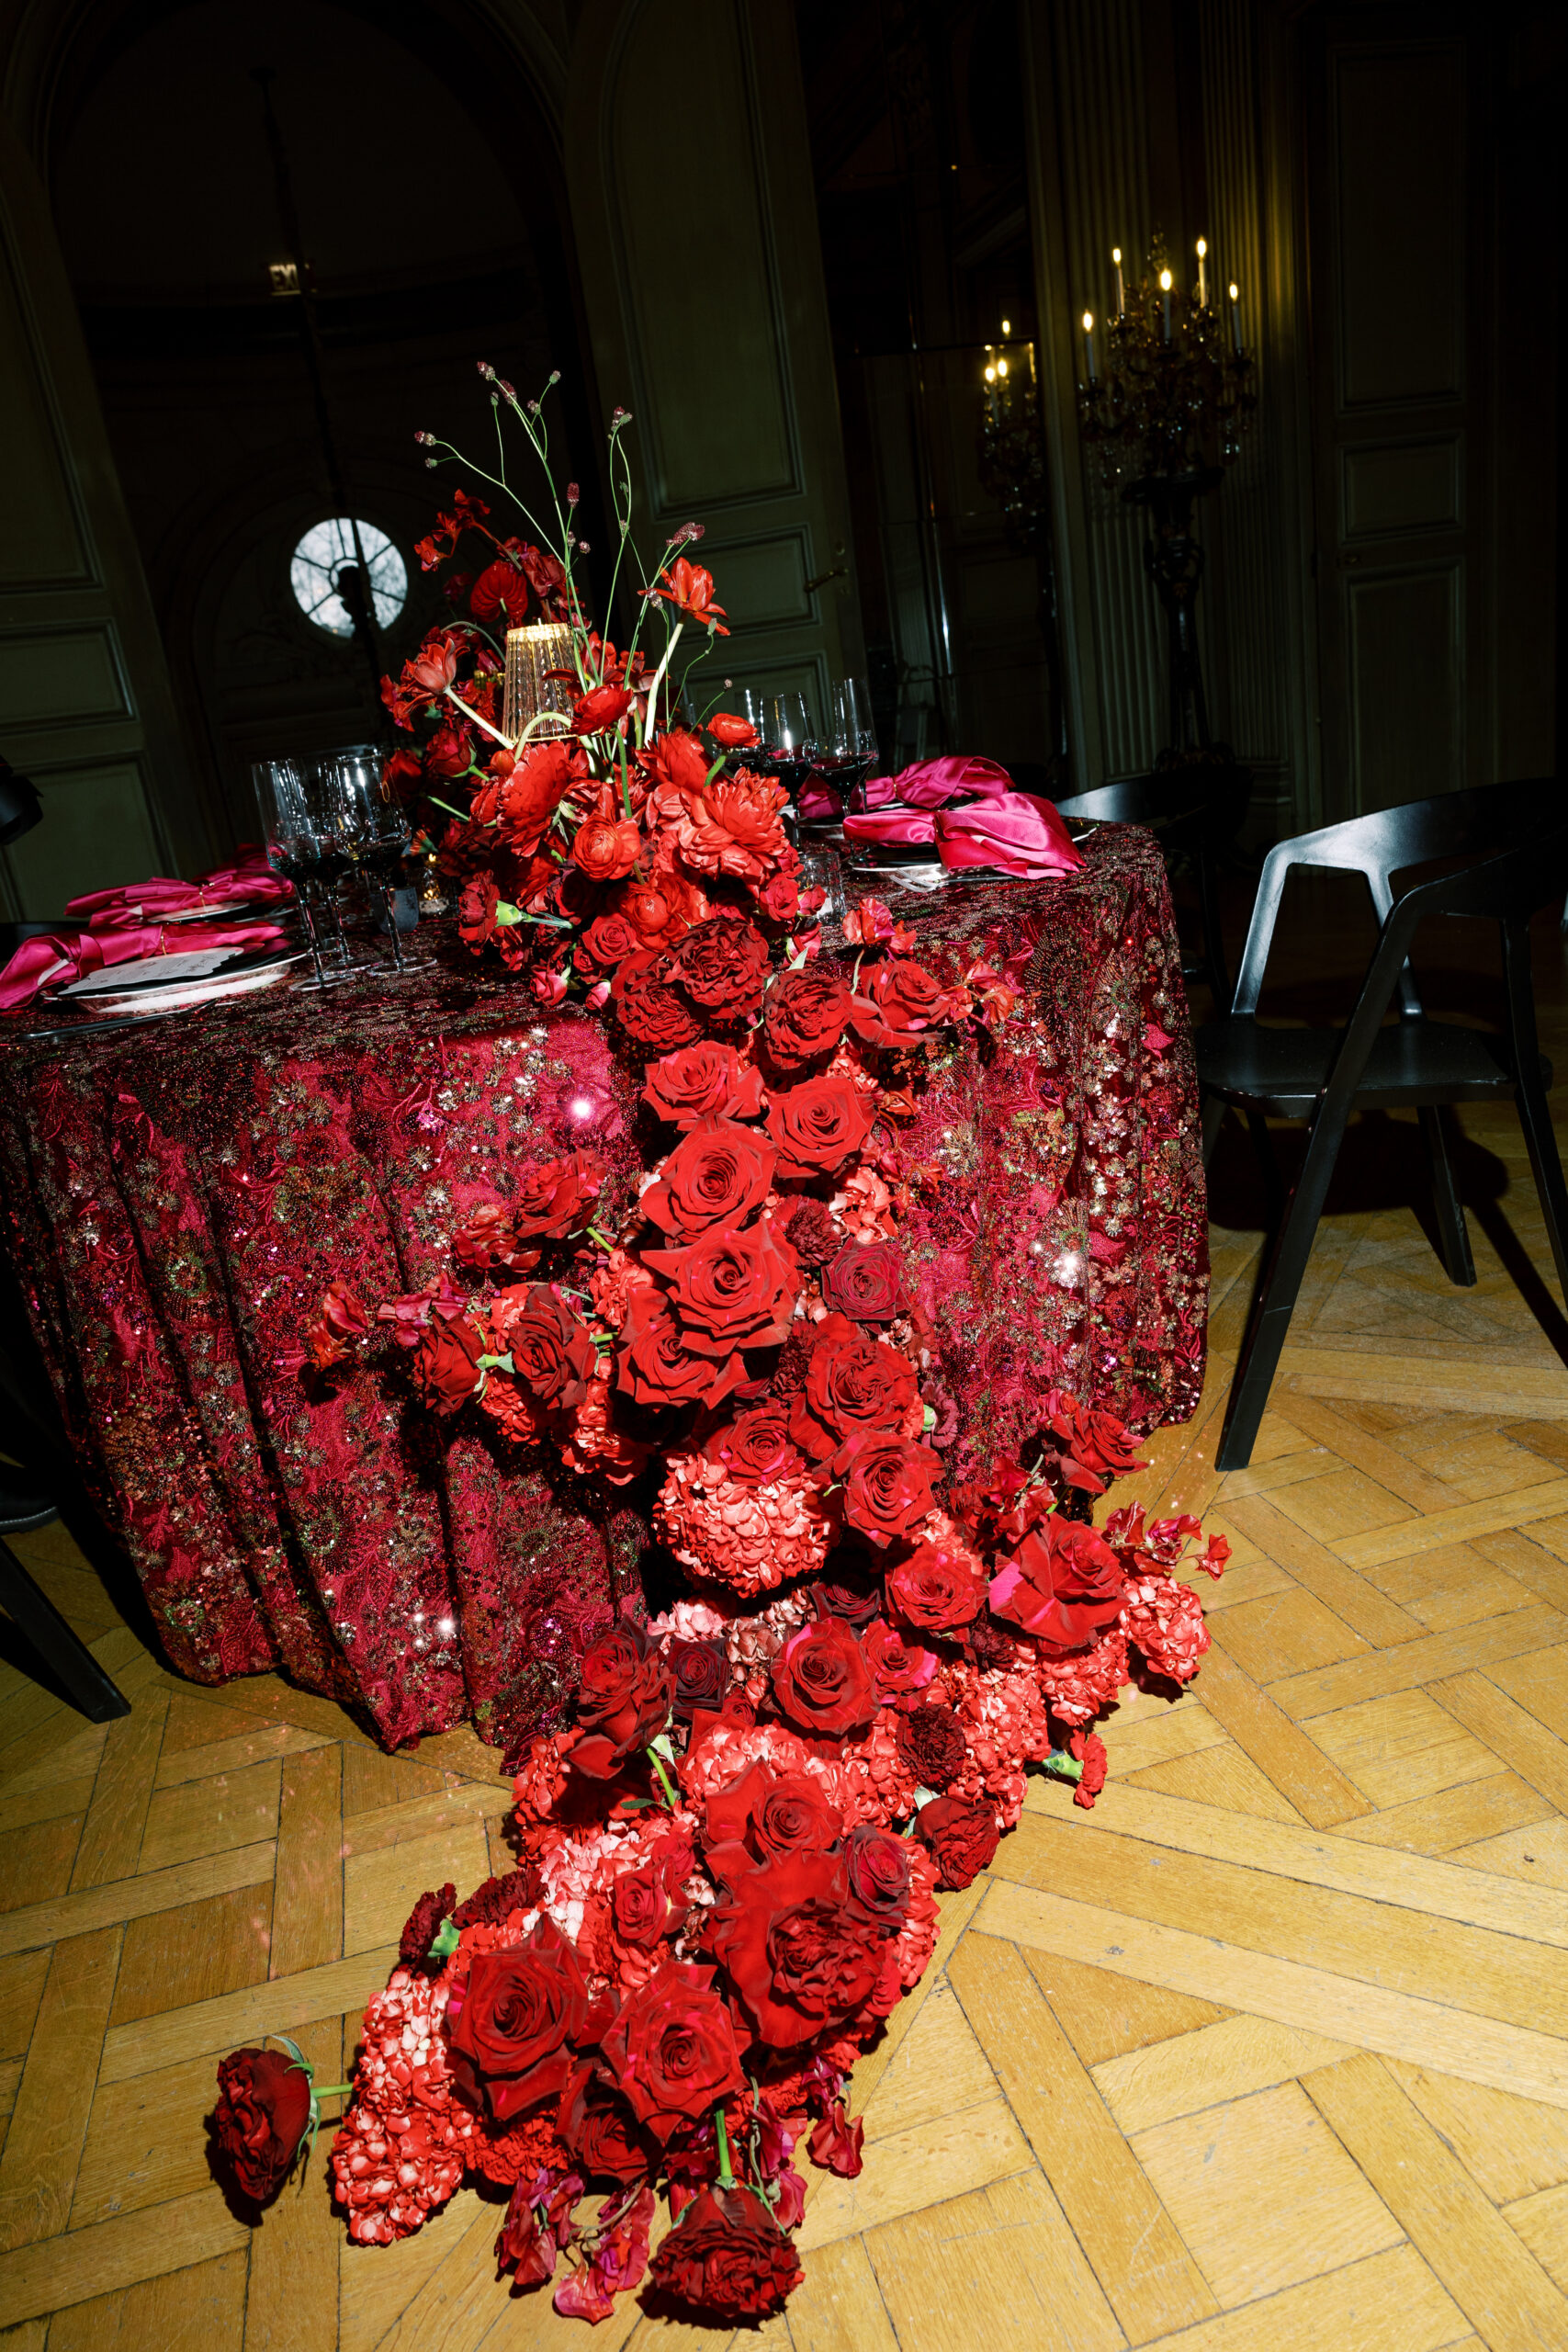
325 551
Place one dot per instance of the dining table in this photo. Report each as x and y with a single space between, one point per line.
178 1192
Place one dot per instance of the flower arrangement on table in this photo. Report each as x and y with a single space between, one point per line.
728 1861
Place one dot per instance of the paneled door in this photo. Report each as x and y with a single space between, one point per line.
695 219
84 702
1397 312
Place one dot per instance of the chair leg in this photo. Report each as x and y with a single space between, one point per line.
1453 1234
1529 1094
89 1687
1279 1289
1214 1109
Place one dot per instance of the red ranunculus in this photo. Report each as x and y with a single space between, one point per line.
556 1197
963 1838
772 1814
672 2049
606 848
804 1014
822 1680
726 2259
477 902
853 1384
734 734
941 1587
526 2015
888 1488
722 964
705 1081
264 2107
606 2139
866 1281
1064 1584
818 1125
802 1956
730 1290
651 1010
718 1175
655 1363
901 1004
445 1363
599 709
552 1354
623 1702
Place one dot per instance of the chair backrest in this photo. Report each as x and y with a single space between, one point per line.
1208 798
1493 816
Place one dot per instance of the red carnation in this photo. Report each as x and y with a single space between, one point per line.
423 1925
730 1290
264 2108
721 963
822 1680
651 1010
726 2259
672 2049
963 1838
818 1125
719 1175
1064 1584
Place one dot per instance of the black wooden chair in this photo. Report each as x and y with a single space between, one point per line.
1194 812
61 1649
1520 835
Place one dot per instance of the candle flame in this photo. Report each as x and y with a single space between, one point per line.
1001 367
1116 255
1165 281
991 375
1007 326
1088 322
1236 291
1202 247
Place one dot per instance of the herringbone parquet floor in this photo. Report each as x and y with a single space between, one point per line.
1268 2052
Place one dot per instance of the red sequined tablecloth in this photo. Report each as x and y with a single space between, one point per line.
176 1201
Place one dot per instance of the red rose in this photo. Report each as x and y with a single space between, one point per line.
779 898
701 1672
639 1906
804 1014
756 1448
801 1956
1064 1584
341 1319
900 1668
525 2014
853 1384
477 902
551 1352
556 1197
877 1865
656 1366
730 1290
940 1588
606 943
487 1238
606 848
888 1488
818 1125
448 753
603 2135
901 1004
1091 1448
727 2257
772 1814
722 964
672 2049
652 1011
963 1838
822 1680
719 1175
264 2107
445 1365
866 1281
705 1081
623 1702
735 734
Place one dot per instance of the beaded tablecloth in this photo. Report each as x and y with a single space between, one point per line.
177 1199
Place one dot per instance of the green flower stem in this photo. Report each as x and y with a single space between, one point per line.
671 1799
332 2090
726 2173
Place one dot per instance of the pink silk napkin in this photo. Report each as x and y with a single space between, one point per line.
932 784
1017 831
49 962
250 879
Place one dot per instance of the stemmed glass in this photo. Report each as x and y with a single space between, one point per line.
372 829
847 752
302 845
786 738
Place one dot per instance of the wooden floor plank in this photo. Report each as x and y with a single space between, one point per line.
51 2276
236 2018
1301 1772
201 2309
43 2147
1149 2279
1452 1819
307 1907
112 1836
1368 1611
133 1898
293 2291
1391 2302
1512 2146
1517 1508
838 2306
1510 1731
997 2268
1431 1659
1486 2268
1223 2061
194 1953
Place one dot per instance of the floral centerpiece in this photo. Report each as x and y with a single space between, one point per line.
729 1859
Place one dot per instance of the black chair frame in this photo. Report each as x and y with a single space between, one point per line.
1192 812
1322 1076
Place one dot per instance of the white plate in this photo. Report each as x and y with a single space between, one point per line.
161 971
178 995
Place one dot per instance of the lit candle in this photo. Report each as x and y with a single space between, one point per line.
1165 300
1203 282
1235 320
1089 343
1121 298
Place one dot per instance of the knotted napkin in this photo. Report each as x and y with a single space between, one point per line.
250 881
1017 831
51 960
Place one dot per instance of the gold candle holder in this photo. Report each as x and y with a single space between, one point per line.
530 653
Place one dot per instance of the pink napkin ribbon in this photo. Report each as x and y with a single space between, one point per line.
932 784
249 880
49 962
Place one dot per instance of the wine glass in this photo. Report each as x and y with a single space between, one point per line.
303 846
846 752
370 826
